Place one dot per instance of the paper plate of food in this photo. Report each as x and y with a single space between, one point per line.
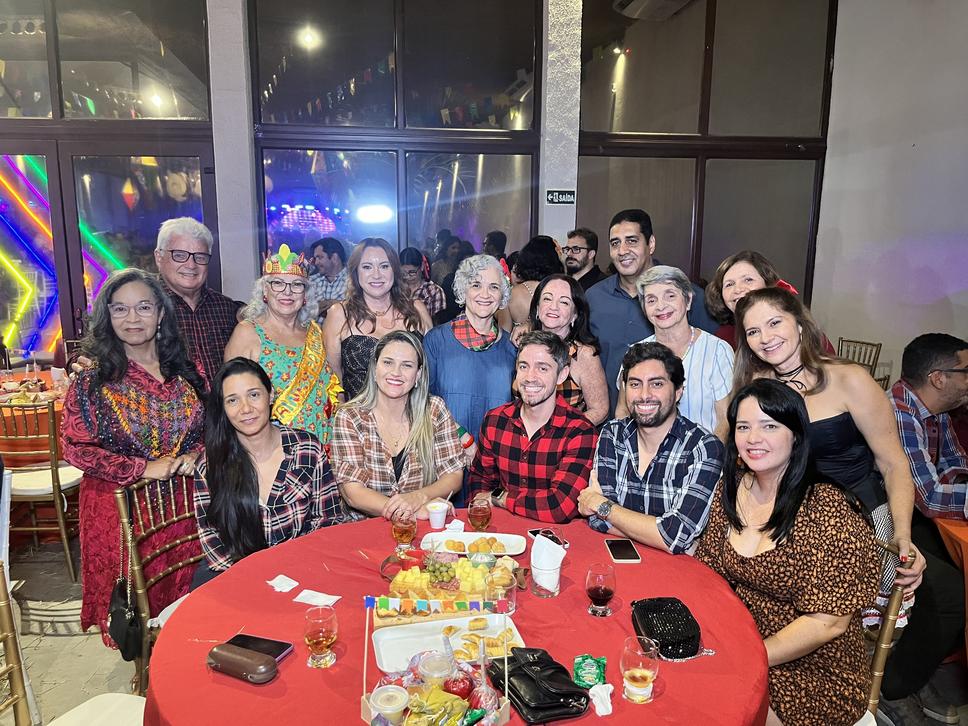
469 543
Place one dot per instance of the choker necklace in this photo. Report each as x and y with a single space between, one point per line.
790 378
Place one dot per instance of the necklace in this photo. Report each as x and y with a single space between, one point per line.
380 315
692 338
789 378
396 437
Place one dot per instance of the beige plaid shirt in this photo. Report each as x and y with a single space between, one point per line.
359 454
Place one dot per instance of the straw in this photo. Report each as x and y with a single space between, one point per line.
505 655
366 645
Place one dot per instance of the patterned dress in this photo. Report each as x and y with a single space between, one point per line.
281 363
826 565
570 390
110 432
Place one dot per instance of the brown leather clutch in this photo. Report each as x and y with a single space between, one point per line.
242 663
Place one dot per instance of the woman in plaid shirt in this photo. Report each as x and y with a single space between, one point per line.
258 484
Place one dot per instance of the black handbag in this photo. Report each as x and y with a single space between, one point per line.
539 687
124 623
668 621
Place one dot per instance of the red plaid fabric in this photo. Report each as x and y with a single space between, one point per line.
206 329
544 475
301 501
470 338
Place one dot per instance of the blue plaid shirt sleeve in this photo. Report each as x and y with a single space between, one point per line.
606 466
682 523
935 497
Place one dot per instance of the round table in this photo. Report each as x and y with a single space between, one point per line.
727 688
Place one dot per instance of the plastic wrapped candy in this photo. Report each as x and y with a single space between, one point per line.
436 708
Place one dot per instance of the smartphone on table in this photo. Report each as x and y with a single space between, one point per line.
622 551
275 649
550 534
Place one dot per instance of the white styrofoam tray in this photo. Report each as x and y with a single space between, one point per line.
514 544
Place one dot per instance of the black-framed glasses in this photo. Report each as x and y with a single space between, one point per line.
201 258
573 250
297 286
143 309
950 370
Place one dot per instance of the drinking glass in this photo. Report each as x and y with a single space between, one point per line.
600 586
320 634
479 513
404 529
640 667
496 589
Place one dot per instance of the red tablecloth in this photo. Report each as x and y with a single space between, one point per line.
728 688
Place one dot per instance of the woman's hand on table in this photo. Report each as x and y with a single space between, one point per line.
411 503
910 573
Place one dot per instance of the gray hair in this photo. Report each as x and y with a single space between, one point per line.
665 274
257 306
183 227
471 269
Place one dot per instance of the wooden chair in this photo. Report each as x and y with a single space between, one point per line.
861 352
28 432
885 635
146 508
107 709
884 381
70 345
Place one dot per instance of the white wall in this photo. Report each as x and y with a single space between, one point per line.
892 247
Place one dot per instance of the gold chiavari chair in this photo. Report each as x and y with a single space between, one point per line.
861 352
885 634
13 670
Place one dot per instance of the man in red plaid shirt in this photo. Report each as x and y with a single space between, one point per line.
535 454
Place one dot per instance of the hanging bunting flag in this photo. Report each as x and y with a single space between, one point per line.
130 194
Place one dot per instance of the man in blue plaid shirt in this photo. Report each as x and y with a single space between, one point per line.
655 472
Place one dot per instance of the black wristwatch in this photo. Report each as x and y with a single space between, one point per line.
604 509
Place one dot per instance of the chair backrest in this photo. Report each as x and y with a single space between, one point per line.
885 635
147 508
860 351
70 346
28 435
13 670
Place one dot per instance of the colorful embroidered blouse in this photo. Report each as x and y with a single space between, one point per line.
111 431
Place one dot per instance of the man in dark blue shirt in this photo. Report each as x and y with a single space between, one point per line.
616 315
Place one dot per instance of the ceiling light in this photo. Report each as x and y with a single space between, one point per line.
309 38
374 214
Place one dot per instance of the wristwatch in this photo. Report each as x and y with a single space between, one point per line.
604 509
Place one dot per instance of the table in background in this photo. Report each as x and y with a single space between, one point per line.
725 689
954 532
58 411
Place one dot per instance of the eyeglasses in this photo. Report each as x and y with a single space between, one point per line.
411 273
950 370
573 250
144 309
298 287
201 258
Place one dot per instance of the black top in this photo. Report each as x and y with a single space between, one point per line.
591 277
356 351
839 454
399 461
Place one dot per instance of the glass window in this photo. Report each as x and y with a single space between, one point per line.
328 63
121 203
641 73
469 65
29 315
663 187
344 194
469 194
133 59
24 83
762 205
768 68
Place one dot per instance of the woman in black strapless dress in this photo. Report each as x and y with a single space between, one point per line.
853 438
375 304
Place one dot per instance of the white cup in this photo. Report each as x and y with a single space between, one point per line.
437 512
390 702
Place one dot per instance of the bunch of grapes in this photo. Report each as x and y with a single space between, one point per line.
439 571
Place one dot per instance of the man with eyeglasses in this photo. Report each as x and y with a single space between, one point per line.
934 380
580 257
205 318
616 316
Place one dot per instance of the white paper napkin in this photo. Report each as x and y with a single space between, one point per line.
455 525
546 558
311 597
281 583
601 695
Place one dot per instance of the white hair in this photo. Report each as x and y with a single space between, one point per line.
183 227
471 269
257 306
668 275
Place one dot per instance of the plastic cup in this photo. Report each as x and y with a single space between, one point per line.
437 513
545 582
435 668
390 702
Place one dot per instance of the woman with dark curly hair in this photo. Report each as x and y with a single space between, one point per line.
138 413
538 259
559 306
376 303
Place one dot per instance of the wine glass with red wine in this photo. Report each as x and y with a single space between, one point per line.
600 587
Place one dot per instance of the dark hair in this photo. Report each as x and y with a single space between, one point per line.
538 259
466 249
591 239
497 239
748 365
512 260
641 352
103 345
331 246
443 234
714 290
786 407
355 305
580 331
414 257
639 216
230 474
555 345
927 353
